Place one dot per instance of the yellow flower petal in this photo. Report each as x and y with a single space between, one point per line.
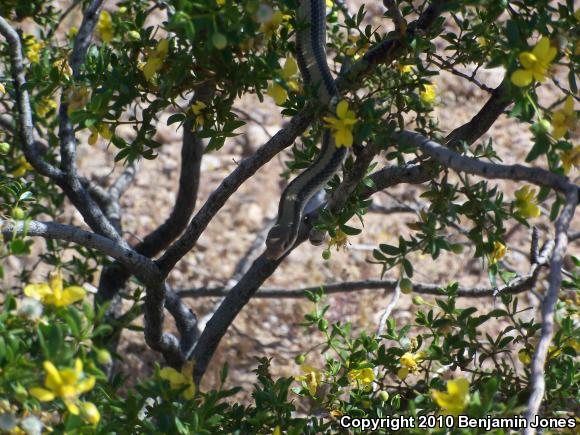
72 294
69 376
175 378
527 59
290 68
342 108
189 393
278 93
72 407
521 78
343 137
37 291
42 394
541 48
86 385
53 378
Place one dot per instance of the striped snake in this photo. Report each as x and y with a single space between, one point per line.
311 57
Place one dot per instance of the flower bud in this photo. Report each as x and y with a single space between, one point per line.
384 396
418 300
406 286
89 412
543 126
104 357
219 40
134 35
4 147
300 359
18 214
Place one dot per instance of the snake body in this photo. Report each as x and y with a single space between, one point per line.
311 58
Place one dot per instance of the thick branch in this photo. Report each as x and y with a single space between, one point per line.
191 155
139 265
26 128
460 163
538 383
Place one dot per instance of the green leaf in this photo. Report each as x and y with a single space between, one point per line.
513 33
408 267
497 313
176 117
541 146
349 231
20 247
389 249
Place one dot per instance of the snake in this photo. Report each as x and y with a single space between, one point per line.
313 66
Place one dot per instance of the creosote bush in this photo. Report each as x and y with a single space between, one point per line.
129 63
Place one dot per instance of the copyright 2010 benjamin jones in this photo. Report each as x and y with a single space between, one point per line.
395 423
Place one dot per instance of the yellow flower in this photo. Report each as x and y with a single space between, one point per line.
312 377
570 159
77 98
402 373
32 48
499 251
364 377
180 379
535 64
2 88
90 412
72 32
23 167
155 59
220 2
197 110
454 401
336 413
524 357
526 202
405 69
277 431
66 384
339 240
99 130
278 93
45 105
63 67
342 125
482 41
53 293
428 94
270 26
105 27
288 73
409 361
355 50
564 119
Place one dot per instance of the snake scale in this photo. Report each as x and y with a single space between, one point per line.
311 57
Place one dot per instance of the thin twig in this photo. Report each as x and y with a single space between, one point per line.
517 285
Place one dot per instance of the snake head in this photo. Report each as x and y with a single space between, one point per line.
280 239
